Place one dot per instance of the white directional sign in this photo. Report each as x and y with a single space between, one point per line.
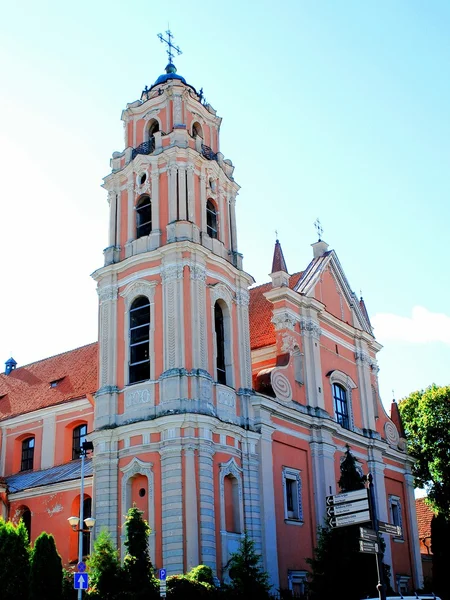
368 547
80 581
347 497
351 519
348 507
389 528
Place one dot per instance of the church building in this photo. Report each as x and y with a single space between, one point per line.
214 405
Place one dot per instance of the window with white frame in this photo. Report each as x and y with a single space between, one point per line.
292 490
342 386
297 583
395 509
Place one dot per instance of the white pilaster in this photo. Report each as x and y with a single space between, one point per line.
233 223
156 225
48 441
112 201
324 478
203 201
191 508
172 509
191 193
207 507
311 333
182 198
245 367
131 211
269 527
198 316
173 174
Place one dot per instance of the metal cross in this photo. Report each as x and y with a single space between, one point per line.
319 228
170 46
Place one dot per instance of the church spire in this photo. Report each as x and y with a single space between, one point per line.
279 274
278 263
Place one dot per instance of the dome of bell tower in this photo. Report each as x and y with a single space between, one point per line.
171 73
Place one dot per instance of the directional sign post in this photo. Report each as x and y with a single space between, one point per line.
81 581
348 507
351 519
368 535
347 497
368 547
389 528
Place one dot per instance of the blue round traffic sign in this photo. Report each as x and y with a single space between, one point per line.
81 567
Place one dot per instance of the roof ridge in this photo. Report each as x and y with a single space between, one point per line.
40 360
270 283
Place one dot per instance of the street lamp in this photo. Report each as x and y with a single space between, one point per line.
75 521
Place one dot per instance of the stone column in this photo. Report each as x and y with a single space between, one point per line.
311 333
245 367
191 508
112 201
324 478
414 532
252 496
191 193
363 363
269 528
198 318
156 225
234 244
131 211
106 396
172 509
203 201
182 204
207 512
106 494
172 171
173 313
48 441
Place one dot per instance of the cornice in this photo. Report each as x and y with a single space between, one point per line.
41 413
64 486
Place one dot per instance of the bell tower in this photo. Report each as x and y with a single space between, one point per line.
173 405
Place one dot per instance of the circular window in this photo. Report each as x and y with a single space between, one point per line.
142 492
142 178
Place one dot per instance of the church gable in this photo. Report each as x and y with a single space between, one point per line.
324 280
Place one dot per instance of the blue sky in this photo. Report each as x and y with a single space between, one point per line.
336 110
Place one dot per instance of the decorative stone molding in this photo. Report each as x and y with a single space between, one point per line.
151 114
138 288
226 398
220 291
284 320
281 386
364 358
171 272
139 397
310 328
242 298
130 188
391 433
288 343
107 293
198 272
111 196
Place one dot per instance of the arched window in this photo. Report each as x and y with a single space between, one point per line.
27 454
341 405
153 127
211 219
78 437
26 518
197 130
143 216
220 344
87 512
139 364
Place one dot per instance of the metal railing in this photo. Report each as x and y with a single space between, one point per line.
145 148
208 153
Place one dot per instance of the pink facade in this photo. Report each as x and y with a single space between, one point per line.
213 405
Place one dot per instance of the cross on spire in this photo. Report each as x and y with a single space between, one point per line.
319 228
170 46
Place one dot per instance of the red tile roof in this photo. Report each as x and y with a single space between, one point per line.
28 388
424 516
262 332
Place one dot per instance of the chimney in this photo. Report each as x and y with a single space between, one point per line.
10 365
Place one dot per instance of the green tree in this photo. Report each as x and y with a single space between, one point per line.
46 572
426 419
104 568
338 568
137 566
14 561
248 578
440 535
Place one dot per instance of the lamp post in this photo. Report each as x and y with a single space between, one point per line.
75 521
